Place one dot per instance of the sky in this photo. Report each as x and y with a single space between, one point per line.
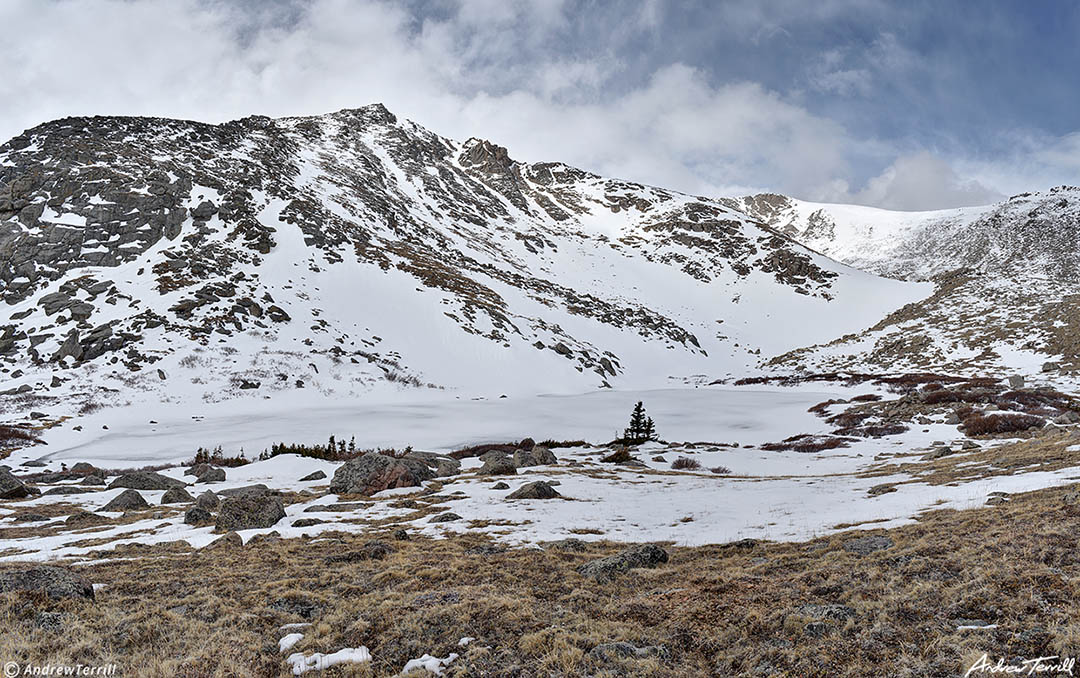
906 105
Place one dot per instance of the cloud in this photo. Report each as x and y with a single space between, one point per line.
915 181
533 76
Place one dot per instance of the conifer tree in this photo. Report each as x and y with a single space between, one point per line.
641 428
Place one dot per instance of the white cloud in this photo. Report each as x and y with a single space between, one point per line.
915 181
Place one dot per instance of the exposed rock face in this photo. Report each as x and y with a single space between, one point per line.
56 582
246 512
145 480
606 569
375 472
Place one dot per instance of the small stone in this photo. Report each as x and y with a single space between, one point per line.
446 517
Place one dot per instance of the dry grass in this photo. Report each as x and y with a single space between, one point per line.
719 611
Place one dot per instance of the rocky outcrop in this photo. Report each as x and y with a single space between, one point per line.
245 512
55 582
374 472
146 480
606 569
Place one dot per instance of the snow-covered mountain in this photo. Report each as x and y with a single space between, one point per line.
357 251
1007 277
1035 234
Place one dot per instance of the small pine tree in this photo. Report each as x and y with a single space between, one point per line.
641 428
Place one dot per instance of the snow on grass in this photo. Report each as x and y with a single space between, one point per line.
289 640
430 664
302 663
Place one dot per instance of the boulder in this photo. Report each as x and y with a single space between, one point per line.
606 569
442 465
56 582
11 487
500 486
83 468
446 517
207 500
308 522
93 481
83 519
536 490
128 500
230 539
537 456
212 475
196 515
257 489
1051 366
318 475
197 470
1016 381
1068 418
374 472
500 465
866 545
373 550
176 495
245 512
146 480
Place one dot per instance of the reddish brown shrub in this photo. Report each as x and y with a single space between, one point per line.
686 463
978 423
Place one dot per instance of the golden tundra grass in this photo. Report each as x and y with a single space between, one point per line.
169 610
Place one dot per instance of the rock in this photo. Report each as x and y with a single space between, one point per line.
82 519
49 621
207 500
128 500
401 535
308 522
1051 366
866 545
500 486
197 470
741 544
230 539
245 512
952 419
145 480
375 472
442 465
607 652
937 454
83 468
373 550
446 517
93 481
570 544
1067 418
196 515
176 495
258 489
56 582
500 465
301 606
212 475
1015 381
536 490
30 518
66 489
318 475
537 456
606 569
11 487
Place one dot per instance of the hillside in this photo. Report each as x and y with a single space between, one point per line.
356 251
